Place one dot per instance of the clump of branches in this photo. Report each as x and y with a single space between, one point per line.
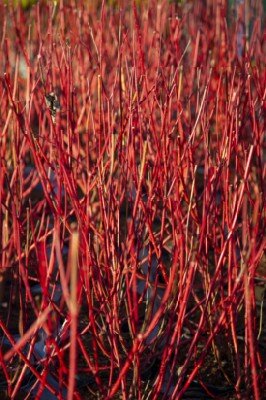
132 151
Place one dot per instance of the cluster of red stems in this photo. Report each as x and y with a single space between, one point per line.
150 176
